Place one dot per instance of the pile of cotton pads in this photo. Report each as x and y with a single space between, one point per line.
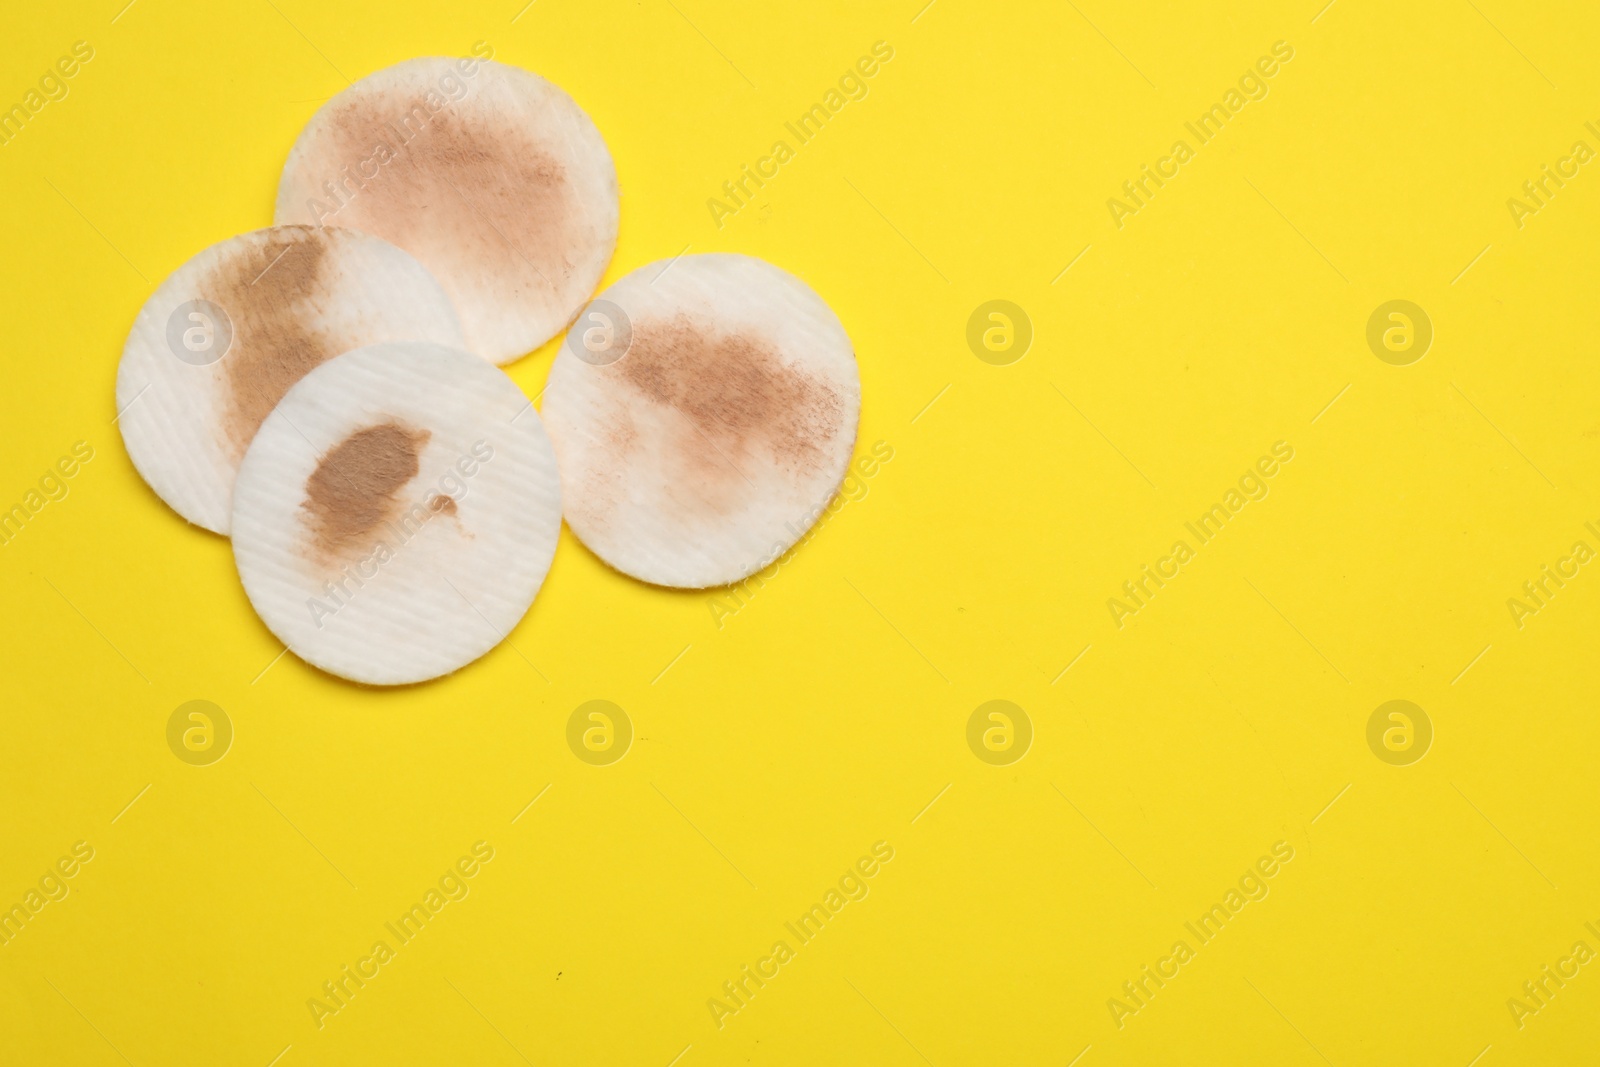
326 391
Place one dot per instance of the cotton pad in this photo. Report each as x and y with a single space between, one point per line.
396 514
703 413
490 175
231 330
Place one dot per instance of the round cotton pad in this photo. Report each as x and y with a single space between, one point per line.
231 330
395 516
703 413
488 174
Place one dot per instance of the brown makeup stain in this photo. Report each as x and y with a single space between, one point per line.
357 485
271 295
461 185
746 410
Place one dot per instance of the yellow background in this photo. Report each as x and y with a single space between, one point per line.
828 712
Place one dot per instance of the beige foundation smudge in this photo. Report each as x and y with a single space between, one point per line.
471 195
271 294
357 487
745 408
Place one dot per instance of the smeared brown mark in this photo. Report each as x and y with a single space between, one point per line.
459 185
744 406
445 504
270 294
356 486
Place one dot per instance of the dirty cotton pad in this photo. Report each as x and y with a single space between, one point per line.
396 514
231 330
488 174
703 413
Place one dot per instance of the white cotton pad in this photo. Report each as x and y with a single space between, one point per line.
231 330
703 413
488 174
395 516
